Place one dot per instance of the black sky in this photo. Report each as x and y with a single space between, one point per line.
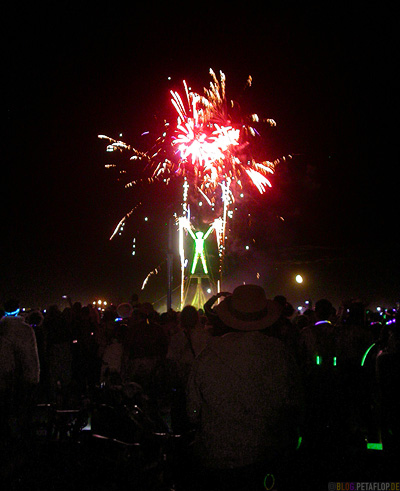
325 75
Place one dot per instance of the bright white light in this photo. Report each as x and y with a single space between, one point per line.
299 278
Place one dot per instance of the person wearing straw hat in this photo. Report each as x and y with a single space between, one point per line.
244 393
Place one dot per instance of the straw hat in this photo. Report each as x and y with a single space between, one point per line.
248 309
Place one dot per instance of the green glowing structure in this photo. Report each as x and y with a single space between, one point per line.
199 252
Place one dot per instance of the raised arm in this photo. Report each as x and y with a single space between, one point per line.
189 229
208 232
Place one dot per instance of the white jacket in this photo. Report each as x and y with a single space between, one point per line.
19 360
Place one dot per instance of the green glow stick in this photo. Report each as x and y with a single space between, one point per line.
366 354
374 446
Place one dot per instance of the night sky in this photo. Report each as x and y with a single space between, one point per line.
325 76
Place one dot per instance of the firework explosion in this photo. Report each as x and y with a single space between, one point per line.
212 151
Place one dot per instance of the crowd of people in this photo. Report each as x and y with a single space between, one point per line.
250 376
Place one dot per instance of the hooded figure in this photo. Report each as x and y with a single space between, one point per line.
244 392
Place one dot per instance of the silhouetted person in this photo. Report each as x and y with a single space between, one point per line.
188 342
284 329
19 360
353 339
318 341
111 359
244 395
388 381
19 378
35 320
319 359
58 331
183 348
89 367
145 348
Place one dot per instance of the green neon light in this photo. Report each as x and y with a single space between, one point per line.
300 439
374 446
199 252
269 482
318 360
366 354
